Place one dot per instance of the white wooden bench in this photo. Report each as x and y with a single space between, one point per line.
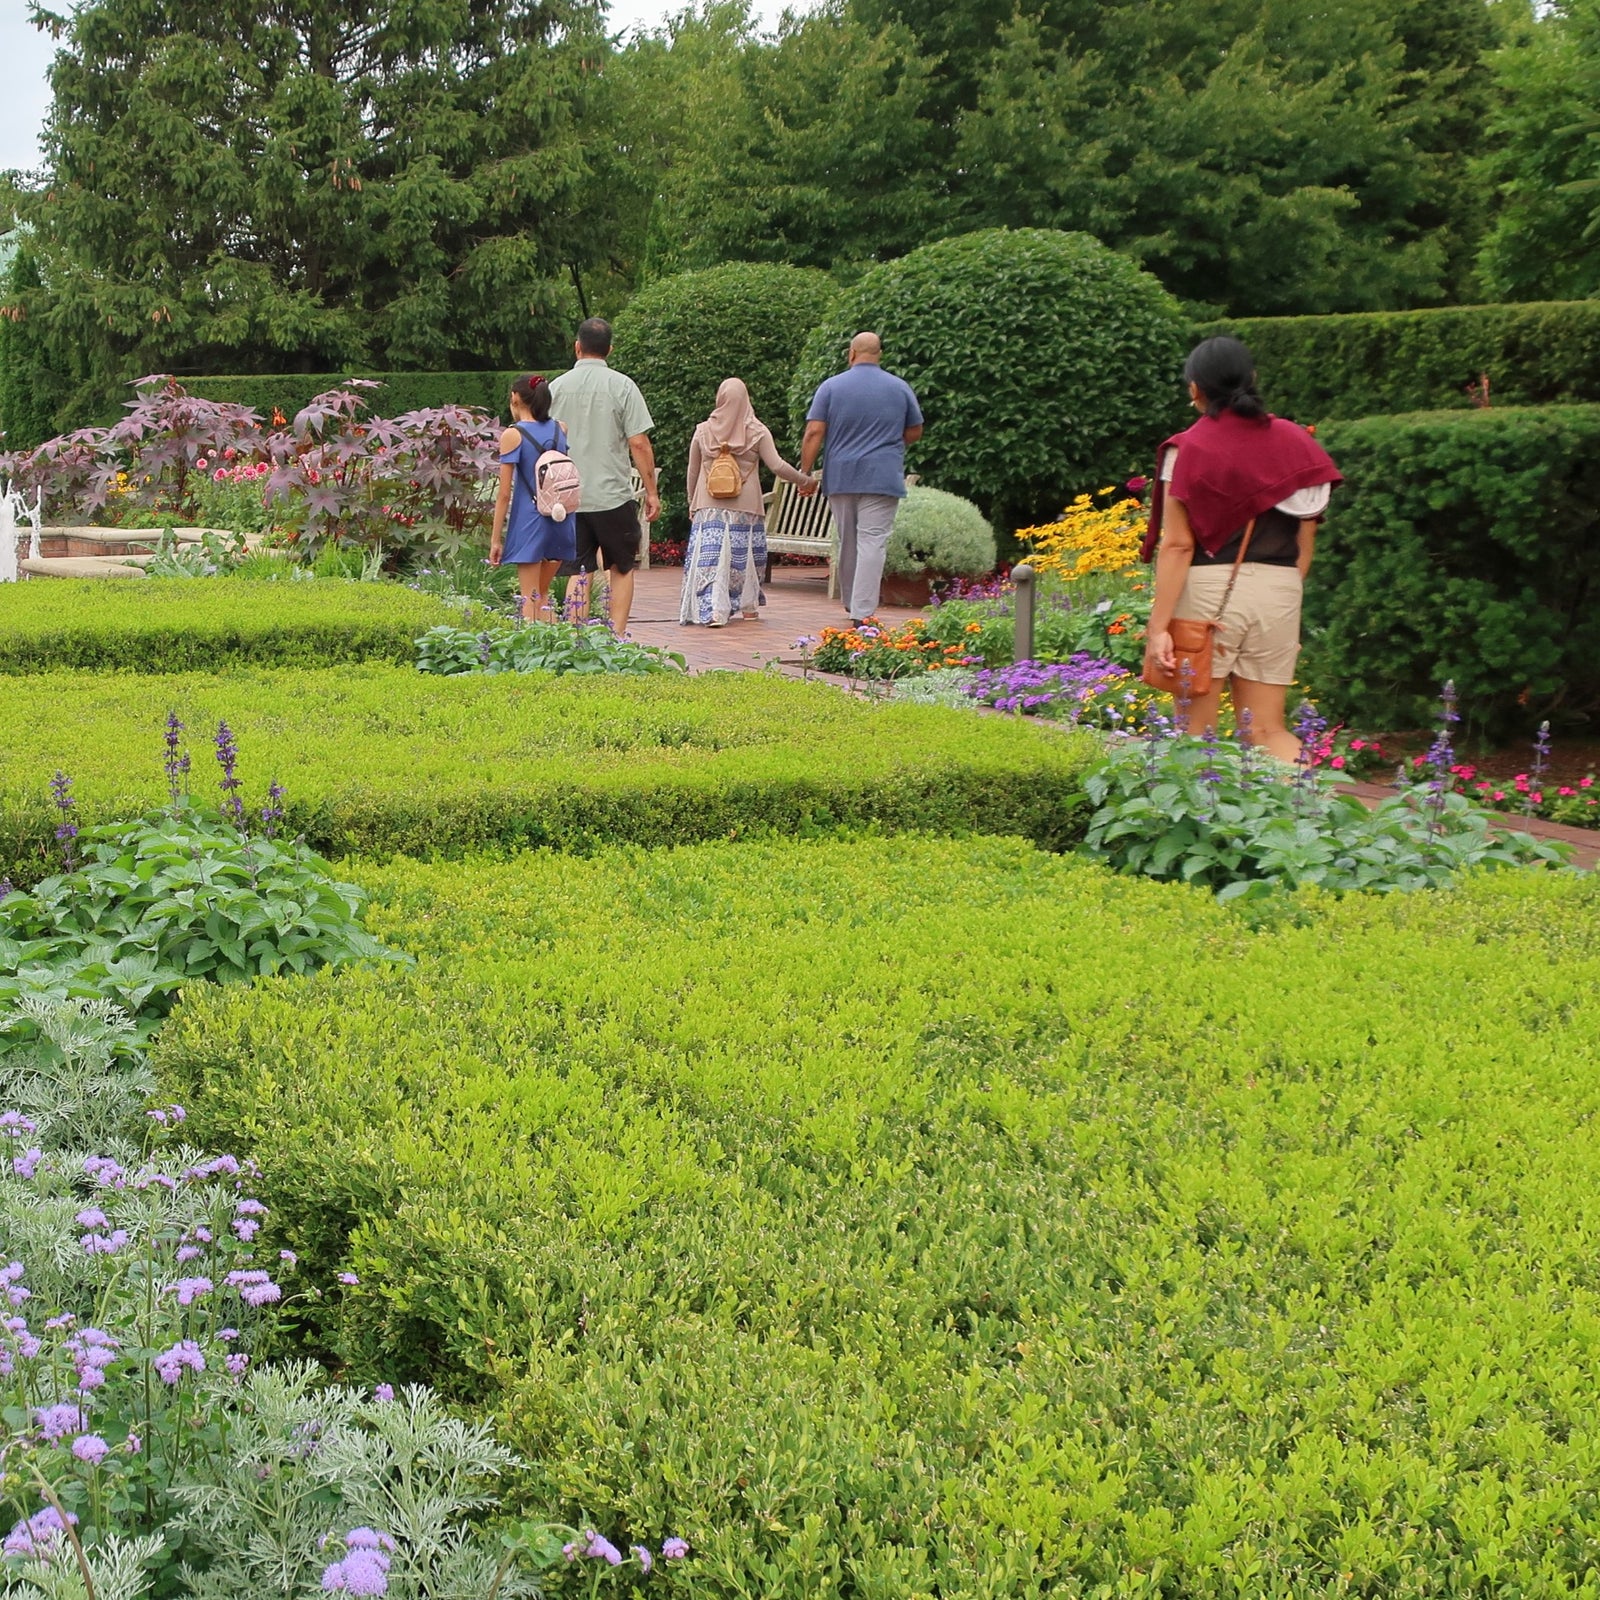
801 527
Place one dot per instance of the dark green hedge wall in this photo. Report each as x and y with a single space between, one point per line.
401 391
679 338
1382 362
1464 545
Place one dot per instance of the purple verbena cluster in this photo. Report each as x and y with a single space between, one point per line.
1026 685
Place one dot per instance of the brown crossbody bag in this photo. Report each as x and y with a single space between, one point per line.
1193 641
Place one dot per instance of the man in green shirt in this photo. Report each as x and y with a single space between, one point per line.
608 428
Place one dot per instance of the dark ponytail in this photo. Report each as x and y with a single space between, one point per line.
1225 373
534 393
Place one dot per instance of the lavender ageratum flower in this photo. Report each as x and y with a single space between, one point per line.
170 1364
105 1172
227 1335
246 1228
92 1217
255 1287
189 1252
349 1279
643 1556
104 1244
90 1447
188 1290
230 783
56 1422
384 1393
28 1347
236 1363
13 1125
674 1549
27 1163
67 829
40 1536
216 1167
289 1258
601 1548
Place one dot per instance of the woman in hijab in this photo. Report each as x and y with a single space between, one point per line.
1238 497
728 528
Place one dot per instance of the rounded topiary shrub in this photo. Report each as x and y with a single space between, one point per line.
679 338
1045 364
940 533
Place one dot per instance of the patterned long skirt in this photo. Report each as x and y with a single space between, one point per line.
723 565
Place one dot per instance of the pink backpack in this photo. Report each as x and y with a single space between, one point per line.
556 485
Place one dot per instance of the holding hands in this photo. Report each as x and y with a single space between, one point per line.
807 487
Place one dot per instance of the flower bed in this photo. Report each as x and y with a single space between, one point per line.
749 1196
178 625
147 1448
875 651
380 759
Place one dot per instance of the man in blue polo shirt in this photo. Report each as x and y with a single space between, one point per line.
867 417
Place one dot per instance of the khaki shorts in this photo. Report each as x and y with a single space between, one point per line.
1260 634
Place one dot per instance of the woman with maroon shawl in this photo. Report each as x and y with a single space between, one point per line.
1237 470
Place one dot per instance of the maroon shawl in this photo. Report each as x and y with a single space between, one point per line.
1232 468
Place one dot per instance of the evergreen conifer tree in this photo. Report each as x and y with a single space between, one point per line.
314 184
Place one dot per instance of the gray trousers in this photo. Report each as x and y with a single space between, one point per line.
865 522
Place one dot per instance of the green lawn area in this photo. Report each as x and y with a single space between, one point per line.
905 1217
378 759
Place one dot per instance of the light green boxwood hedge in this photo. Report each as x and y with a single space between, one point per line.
918 1218
208 624
378 760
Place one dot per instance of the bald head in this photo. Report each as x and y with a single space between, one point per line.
866 347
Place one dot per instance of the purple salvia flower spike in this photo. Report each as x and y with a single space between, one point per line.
176 760
67 828
228 760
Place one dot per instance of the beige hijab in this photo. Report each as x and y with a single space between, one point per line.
733 422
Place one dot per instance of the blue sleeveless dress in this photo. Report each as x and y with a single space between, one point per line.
529 535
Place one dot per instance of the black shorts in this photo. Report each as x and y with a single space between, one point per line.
609 539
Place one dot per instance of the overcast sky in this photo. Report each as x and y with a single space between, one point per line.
25 58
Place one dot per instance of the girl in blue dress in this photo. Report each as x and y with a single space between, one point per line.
533 544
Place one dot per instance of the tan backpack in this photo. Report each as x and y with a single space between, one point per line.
723 478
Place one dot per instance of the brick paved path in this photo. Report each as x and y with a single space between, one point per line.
797 604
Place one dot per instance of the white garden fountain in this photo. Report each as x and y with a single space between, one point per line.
12 509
